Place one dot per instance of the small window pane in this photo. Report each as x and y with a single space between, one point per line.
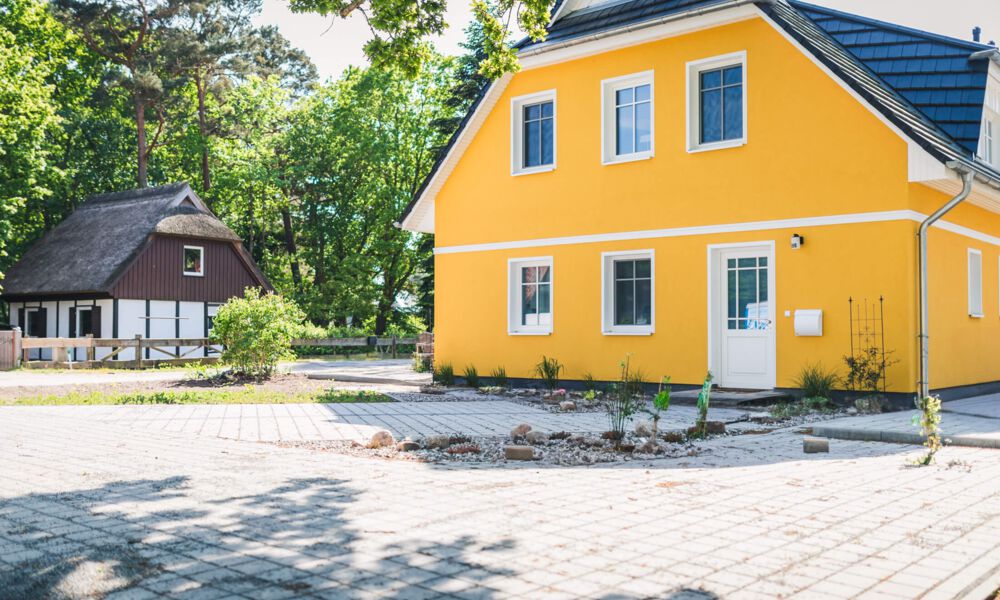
733 75
546 109
624 96
625 303
86 322
643 133
733 117
711 116
731 293
643 302
544 274
624 269
762 284
548 149
532 112
192 260
746 263
528 275
624 137
642 93
711 79
544 298
642 268
762 261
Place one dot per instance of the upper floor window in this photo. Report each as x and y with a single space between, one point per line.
533 136
986 148
717 102
628 117
194 261
628 292
530 296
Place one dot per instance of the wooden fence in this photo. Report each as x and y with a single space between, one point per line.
10 349
176 350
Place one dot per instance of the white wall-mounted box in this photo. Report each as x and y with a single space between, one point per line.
809 322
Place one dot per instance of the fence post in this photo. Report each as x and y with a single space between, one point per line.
16 340
138 351
91 351
394 346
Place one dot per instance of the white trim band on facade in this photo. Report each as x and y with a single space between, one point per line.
846 219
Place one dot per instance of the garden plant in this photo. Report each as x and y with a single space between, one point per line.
256 332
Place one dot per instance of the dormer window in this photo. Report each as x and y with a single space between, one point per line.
194 261
533 135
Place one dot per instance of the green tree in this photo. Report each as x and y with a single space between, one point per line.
400 29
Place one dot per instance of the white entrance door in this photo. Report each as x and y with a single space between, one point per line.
745 317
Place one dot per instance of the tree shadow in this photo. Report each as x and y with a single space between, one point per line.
154 535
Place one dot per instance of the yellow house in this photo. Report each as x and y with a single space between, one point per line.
720 185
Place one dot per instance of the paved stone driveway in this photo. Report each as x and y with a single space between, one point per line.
302 422
88 508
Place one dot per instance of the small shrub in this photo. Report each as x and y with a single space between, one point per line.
815 381
471 376
929 420
700 425
421 364
819 404
256 331
445 375
590 396
499 377
661 402
589 383
548 370
622 404
866 371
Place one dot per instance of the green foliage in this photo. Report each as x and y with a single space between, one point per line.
805 406
499 377
661 403
929 421
471 376
622 401
421 364
866 370
445 375
704 397
589 383
548 371
590 396
815 381
256 331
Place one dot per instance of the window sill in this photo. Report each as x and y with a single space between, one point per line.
627 158
533 170
194 274
634 333
975 316
717 146
540 332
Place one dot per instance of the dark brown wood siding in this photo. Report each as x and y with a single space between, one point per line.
158 273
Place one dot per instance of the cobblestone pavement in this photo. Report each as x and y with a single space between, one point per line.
89 508
307 422
968 422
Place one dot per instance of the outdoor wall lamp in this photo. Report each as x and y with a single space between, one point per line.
797 241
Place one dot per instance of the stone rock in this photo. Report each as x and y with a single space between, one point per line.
536 437
381 439
567 405
431 389
519 453
520 431
813 445
437 442
407 445
715 427
644 429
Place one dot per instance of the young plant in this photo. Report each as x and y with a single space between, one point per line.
548 371
445 375
815 381
929 420
589 383
703 398
471 376
866 371
590 396
622 404
661 402
499 377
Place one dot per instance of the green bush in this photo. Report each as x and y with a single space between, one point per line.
815 381
548 371
499 377
471 376
445 375
256 331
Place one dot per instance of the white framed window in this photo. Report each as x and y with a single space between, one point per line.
975 283
717 102
529 292
628 298
627 118
533 133
986 147
194 261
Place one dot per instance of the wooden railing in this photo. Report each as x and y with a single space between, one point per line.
175 349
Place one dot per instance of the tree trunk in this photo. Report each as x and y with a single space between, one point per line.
384 309
206 175
140 130
293 253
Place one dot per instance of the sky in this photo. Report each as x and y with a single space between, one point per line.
335 44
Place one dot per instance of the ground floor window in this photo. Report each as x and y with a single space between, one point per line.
530 296
628 292
36 322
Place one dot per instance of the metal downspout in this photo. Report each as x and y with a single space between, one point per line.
967 179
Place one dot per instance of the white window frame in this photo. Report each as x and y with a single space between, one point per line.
608 260
986 147
975 284
694 69
201 250
609 124
517 132
514 266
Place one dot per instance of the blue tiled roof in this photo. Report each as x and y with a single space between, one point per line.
932 72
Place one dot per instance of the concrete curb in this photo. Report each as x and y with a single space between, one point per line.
898 437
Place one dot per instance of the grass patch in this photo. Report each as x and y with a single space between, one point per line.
245 395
